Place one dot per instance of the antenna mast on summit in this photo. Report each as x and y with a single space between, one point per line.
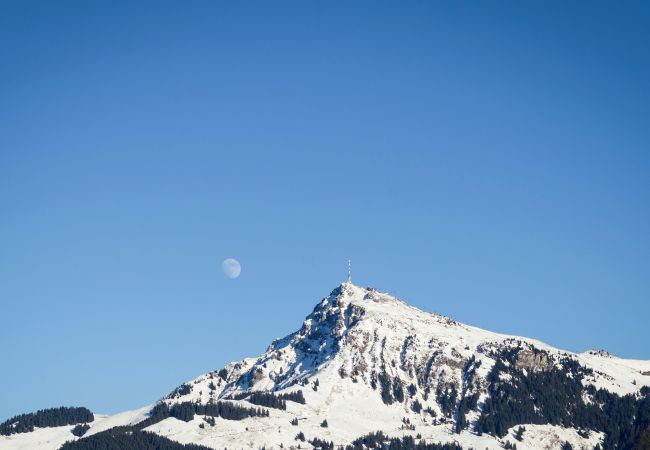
350 271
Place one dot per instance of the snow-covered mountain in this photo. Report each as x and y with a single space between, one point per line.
364 362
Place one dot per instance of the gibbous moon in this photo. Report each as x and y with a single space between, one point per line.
231 268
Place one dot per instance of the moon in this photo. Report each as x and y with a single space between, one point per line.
231 268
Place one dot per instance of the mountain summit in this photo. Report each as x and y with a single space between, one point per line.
366 369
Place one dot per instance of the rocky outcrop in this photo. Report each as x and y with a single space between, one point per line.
533 360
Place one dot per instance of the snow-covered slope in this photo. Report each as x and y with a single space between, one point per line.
366 361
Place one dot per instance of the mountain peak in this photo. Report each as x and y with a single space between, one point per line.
364 360
364 352
347 292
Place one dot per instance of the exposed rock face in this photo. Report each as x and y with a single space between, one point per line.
533 360
601 352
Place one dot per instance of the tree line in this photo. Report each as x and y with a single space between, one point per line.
53 417
185 411
120 439
380 441
270 399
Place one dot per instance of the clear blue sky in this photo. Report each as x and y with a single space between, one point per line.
485 160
